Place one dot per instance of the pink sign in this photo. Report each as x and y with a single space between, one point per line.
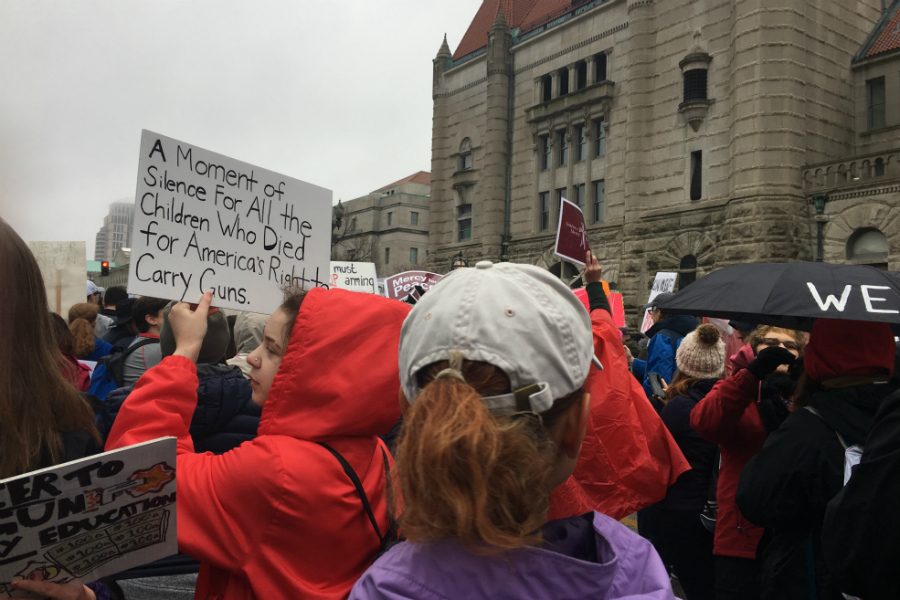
617 308
571 237
403 284
616 305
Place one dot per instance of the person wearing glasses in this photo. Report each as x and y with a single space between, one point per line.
786 487
738 414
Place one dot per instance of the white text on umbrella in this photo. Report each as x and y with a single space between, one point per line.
841 304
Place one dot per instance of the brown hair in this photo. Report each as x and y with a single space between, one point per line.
803 393
36 401
465 473
293 300
65 341
81 324
680 385
756 336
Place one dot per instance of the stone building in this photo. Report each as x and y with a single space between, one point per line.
690 131
388 227
857 196
115 232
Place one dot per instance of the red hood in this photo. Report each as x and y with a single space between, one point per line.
740 359
339 376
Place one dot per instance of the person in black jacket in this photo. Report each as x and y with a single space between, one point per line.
862 523
225 416
787 485
678 534
123 332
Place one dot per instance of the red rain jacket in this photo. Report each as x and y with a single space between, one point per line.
629 459
728 416
277 517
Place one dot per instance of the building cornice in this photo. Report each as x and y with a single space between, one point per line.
568 49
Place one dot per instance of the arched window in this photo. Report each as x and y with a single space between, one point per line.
567 272
465 155
868 247
687 271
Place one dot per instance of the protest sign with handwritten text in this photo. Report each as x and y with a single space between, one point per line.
90 517
353 276
203 221
663 282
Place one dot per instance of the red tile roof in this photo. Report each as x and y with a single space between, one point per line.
887 34
423 177
522 14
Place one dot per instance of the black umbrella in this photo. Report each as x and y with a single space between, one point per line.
792 294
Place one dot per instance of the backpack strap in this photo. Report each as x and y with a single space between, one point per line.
140 343
840 438
115 363
359 488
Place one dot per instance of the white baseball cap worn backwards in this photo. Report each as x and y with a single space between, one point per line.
519 318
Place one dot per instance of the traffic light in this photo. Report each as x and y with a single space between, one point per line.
104 267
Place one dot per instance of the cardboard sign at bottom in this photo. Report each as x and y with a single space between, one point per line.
90 517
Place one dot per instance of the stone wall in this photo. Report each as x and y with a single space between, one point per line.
780 96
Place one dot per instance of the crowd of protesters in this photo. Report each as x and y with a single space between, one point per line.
350 445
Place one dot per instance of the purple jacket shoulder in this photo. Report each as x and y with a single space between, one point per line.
627 568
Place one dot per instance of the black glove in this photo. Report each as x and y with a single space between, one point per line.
769 359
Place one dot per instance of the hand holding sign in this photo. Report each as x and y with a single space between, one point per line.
206 221
189 326
74 590
593 272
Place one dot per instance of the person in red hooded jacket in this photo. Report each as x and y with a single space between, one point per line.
738 414
278 517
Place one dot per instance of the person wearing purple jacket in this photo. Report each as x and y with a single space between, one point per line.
493 363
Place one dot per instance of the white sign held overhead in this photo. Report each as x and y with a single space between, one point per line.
663 282
204 221
353 276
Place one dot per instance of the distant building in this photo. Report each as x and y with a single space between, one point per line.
694 134
388 227
857 196
118 269
115 232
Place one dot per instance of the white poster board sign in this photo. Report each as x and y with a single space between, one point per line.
203 221
64 270
353 276
663 282
91 517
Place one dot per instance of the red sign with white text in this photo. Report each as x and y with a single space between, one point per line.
571 236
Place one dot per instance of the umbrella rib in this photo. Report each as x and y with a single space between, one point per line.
769 295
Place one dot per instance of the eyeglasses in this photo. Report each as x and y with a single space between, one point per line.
788 345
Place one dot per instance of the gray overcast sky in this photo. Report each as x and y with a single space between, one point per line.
334 93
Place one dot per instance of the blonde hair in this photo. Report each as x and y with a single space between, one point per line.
81 324
467 474
756 336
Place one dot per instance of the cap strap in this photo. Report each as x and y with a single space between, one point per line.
451 373
533 398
